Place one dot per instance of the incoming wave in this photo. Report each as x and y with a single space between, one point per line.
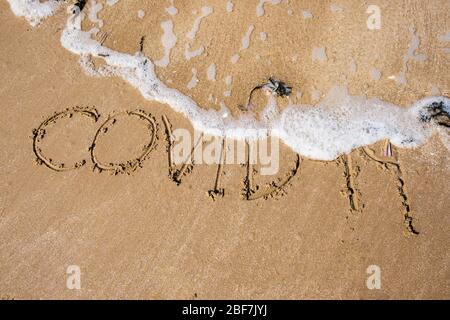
337 125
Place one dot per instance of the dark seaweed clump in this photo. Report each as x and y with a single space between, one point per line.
437 113
80 4
279 87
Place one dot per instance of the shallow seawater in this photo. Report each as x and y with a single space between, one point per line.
334 62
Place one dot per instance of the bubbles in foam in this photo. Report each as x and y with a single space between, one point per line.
316 95
34 10
189 54
172 10
230 6
444 37
260 7
341 123
263 36
206 11
307 14
338 124
375 74
235 58
353 66
94 9
319 54
435 91
228 80
111 2
409 55
211 72
141 14
169 40
245 43
194 80
335 8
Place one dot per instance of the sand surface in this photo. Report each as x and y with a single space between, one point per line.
140 235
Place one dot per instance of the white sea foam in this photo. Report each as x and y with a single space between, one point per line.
111 2
316 95
211 72
263 36
94 9
235 58
230 6
342 122
338 124
353 66
172 10
245 43
336 8
307 14
260 7
141 14
319 54
444 37
206 11
169 40
228 80
409 55
194 80
435 91
375 74
189 54
34 10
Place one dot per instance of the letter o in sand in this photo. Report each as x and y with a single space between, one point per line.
132 164
40 133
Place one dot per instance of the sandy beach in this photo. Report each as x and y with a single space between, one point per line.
314 227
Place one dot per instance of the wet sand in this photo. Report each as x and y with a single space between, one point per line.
143 236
